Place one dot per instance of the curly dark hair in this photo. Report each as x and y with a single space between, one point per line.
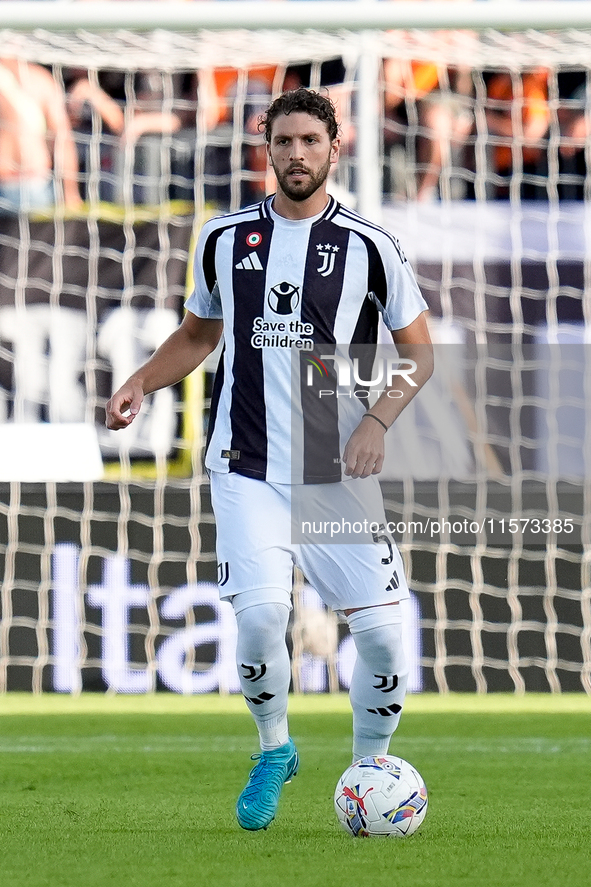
302 99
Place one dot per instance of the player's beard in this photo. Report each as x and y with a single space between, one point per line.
300 191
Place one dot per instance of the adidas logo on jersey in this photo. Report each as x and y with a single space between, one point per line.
250 263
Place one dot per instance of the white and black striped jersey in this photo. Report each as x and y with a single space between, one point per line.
286 291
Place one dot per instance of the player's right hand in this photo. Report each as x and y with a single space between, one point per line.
124 405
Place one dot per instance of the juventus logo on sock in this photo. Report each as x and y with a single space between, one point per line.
252 672
387 683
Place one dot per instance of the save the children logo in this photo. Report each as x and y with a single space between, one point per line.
282 334
284 298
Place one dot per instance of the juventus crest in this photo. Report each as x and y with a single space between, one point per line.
327 252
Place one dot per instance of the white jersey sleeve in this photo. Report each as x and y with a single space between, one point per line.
404 301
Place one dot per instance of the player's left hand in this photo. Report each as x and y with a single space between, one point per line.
364 452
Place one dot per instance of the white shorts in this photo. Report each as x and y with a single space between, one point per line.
255 550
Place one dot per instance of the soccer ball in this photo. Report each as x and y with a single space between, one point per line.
381 796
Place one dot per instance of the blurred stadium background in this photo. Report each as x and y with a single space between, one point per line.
466 134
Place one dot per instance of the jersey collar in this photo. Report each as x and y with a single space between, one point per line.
331 209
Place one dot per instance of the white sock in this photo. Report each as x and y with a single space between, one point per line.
264 669
378 684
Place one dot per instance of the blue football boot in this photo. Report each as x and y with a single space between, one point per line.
257 805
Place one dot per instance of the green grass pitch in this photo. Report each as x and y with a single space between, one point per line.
121 791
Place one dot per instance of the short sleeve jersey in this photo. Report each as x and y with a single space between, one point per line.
288 290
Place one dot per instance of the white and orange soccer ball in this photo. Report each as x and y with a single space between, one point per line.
381 796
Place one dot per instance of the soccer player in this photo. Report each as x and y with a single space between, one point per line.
295 271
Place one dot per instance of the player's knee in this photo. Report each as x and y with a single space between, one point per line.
261 628
263 619
377 634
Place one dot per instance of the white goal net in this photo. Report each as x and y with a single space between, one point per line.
472 147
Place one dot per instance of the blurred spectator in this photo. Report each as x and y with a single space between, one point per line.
428 110
131 107
518 111
573 111
440 101
38 159
84 94
576 126
573 117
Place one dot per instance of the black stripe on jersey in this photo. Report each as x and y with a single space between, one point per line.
366 328
354 217
247 411
332 209
218 384
209 258
320 302
364 337
321 441
377 282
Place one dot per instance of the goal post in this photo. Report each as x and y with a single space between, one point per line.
109 581
321 15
